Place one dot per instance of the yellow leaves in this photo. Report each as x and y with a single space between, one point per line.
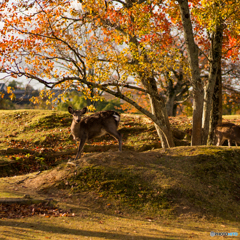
62 99
208 14
12 96
206 3
118 39
47 94
35 100
91 108
9 90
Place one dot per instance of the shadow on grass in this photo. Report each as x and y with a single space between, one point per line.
74 232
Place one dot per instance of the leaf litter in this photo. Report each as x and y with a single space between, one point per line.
44 209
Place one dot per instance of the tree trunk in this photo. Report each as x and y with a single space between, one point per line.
170 97
175 92
216 113
158 108
175 110
195 73
197 116
215 59
170 105
162 126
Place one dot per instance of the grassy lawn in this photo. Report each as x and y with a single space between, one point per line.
89 225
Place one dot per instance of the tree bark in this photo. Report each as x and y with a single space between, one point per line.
175 93
215 63
195 73
216 113
158 109
162 126
170 97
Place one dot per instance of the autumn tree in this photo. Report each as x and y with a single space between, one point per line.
208 30
61 44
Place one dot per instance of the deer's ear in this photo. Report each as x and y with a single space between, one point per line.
84 110
70 110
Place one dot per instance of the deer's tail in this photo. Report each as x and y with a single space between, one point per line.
116 117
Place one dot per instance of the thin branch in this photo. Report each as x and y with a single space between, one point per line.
182 101
126 86
231 89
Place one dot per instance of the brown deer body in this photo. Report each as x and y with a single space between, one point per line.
227 131
95 125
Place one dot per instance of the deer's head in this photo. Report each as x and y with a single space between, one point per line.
77 114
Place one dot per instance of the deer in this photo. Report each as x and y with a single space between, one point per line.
95 125
227 131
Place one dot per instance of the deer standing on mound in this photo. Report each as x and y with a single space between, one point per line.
95 125
227 131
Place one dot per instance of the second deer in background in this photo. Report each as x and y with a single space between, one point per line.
227 131
95 125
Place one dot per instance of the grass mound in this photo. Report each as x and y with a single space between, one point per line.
36 140
195 181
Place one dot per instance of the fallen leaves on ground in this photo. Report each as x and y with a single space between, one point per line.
16 210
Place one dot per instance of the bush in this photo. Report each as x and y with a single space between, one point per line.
7 104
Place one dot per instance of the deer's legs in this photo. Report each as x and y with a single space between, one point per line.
80 147
221 141
118 136
112 130
120 141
